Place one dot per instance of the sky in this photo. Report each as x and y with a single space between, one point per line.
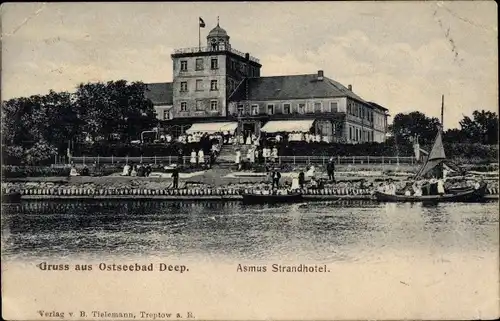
402 55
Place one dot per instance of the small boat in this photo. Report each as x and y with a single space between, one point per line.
253 198
11 197
434 162
465 195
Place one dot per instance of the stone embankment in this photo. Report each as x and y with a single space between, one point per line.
51 191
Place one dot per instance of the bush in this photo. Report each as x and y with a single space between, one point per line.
137 150
338 149
33 171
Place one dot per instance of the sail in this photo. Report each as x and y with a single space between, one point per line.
435 158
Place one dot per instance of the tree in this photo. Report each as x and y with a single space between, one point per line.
483 128
406 126
114 108
453 135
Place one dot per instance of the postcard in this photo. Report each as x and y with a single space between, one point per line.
250 160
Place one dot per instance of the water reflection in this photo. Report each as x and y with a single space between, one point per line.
326 232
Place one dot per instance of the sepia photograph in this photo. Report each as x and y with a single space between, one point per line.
250 160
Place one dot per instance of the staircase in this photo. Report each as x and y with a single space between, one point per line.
227 154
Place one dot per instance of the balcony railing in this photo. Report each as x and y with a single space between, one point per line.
210 49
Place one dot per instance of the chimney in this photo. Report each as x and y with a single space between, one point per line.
320 75
349 87
247 56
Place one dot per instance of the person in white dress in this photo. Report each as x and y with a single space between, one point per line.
126 170
73 171
295 183
237 159
201 157
440 186
248 140
192 160
250 156
275 154
265 153
417 189
310 171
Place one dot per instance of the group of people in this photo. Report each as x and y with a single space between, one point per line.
139 170
434 186
307 137
255 155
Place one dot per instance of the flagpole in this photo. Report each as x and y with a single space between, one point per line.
199 35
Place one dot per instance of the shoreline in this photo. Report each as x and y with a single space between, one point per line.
201 195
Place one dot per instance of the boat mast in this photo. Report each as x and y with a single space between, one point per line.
442 111
440 166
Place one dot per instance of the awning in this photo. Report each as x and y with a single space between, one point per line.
288 126
212 127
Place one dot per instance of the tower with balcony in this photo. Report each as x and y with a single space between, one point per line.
204 77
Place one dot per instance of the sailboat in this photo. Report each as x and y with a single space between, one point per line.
434 162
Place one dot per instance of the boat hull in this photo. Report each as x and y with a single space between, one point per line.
466 195
271 199
14 197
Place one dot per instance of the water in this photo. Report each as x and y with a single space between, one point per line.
322 232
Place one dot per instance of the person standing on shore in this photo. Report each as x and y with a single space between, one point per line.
175 176
330 169
275 178
201 157
193 158
302 179
275 154
238 159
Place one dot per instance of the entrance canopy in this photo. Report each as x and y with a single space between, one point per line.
288 126
212 127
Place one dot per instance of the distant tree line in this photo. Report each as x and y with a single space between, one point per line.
482 128
40 127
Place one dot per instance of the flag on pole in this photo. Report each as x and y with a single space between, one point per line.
202 23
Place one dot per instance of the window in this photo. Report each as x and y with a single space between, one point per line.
184 86
199 105
184 65
199 84
213 84
255 109
286 108
214 63
317 107
350 133
334 108
302 108
214 105
270 109
183 106
240 109
199 63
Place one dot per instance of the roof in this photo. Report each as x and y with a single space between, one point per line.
160 93
212 127
288 126
217 32
293 87
377 106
